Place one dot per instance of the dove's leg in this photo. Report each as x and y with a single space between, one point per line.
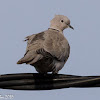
57 66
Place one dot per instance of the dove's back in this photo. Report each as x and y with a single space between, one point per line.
46 51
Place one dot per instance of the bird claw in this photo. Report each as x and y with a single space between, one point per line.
54 70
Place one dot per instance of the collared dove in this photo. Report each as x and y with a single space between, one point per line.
49 50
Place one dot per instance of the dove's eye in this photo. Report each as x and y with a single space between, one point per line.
62 21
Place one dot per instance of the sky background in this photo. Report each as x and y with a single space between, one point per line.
20 18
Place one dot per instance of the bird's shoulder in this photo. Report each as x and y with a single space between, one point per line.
35 41
35 37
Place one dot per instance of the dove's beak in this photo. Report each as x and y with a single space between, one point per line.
70 26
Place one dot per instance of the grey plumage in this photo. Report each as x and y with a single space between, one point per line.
49 50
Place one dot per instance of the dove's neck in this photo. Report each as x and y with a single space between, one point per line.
56 28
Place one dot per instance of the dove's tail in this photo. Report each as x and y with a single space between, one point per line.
30 61
20 62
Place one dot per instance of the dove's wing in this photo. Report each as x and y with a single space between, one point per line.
34 43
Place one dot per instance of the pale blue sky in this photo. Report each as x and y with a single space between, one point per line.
20 18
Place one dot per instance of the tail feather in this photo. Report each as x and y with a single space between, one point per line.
26 58
20 61
37 58
31 60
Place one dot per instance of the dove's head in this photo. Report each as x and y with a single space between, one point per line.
60 22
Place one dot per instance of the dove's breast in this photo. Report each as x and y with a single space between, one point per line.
57 45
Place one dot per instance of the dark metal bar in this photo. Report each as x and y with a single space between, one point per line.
29 81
